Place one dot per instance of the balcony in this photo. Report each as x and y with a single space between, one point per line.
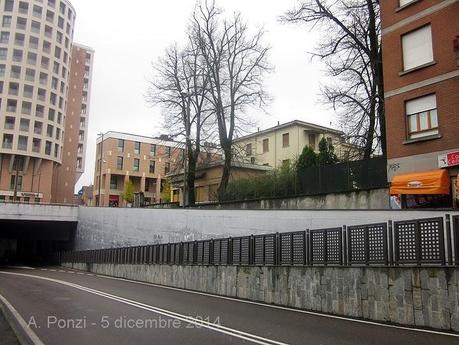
7 145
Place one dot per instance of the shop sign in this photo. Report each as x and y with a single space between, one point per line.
448 159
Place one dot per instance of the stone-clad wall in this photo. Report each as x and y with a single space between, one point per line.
427 297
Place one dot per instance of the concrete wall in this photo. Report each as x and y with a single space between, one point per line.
38 212
115 227
376 199
427 297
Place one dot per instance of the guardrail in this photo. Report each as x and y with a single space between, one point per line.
428 241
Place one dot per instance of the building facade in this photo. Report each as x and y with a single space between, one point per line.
143 161
36 47
66 174
283 143
421 77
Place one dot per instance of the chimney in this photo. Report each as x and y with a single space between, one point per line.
278 123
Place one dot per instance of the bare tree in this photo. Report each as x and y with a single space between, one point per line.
236 62
351 50
180 87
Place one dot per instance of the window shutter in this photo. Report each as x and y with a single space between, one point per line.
421 104
417 48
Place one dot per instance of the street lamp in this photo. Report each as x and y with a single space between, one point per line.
100 166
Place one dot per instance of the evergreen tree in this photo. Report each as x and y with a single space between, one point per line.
326 154
307 159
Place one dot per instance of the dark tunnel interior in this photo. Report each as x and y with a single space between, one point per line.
34 242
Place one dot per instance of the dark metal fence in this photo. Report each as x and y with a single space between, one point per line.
411 242
344 177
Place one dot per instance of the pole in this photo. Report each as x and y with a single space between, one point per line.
185 160
100 168
15 195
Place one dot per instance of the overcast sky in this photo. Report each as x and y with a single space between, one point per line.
128 36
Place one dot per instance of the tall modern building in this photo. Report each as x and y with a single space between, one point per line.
41 96
421 78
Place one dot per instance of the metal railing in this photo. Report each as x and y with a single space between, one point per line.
429 241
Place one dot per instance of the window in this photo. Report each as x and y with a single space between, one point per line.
57 52
37 11
4 37
31 58
39 110
113 182
38 127
49 131
3 54
137 148
285 140
56 154
11 105
168 151
9 122
48 148
22 143
60 23
36 145
153 150
49 16
21 23
119 163
248 149
26 108
167 168
312 141
30 74
44 62
13 89
23 7
2 70
421 116
35 27
17 55
152 167
41 94
16 186
28 91
48 31
120 145
136 164
51 114
19 39
6 22
9 4
24 125
417 48
7 141
286 162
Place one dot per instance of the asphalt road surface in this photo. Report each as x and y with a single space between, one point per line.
64 306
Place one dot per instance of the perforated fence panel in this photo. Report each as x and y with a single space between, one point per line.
326 246
367 244
419 241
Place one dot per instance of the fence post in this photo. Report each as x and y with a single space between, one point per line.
251 250
449 244
277 249
390 246
345 247
306 248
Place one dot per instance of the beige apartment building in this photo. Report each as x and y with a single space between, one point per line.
283 143
37 55
145 161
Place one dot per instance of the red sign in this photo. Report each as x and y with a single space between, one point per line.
448 159
453 158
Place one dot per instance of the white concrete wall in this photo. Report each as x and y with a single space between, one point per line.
109 227
58 213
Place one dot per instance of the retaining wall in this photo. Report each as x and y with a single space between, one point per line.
414 296
100 227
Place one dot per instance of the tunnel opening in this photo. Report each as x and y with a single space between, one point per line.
34 243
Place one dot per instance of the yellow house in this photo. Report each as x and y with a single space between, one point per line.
284 143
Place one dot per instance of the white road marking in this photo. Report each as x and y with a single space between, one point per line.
168 313
70 272
52 270
282 308
62 271
31 334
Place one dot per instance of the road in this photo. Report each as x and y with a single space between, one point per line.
64 306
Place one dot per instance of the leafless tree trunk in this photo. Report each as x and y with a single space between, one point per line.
235 61
180 87
351 50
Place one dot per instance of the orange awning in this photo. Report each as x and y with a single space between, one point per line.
428 182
